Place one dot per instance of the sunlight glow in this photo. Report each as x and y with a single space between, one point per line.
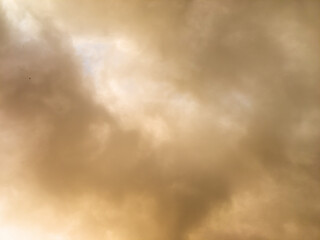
11 232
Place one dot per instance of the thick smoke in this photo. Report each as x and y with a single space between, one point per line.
242 164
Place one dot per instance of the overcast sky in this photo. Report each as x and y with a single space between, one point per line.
159 119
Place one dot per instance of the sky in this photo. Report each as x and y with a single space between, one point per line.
159 120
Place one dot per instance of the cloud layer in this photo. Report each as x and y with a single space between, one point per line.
208 127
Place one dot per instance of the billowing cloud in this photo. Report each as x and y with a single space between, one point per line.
159 120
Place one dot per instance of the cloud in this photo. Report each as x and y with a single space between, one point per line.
240 163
